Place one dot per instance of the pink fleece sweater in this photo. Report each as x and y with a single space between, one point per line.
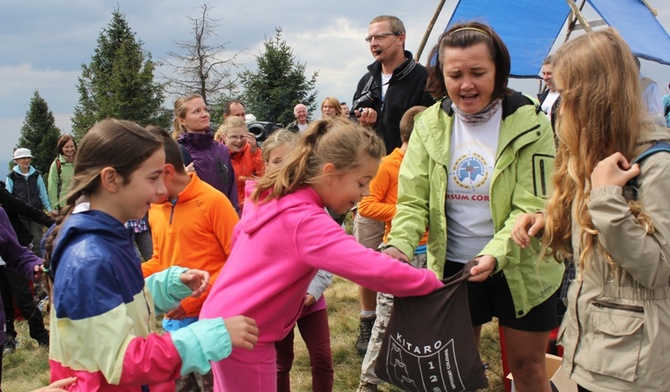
277 248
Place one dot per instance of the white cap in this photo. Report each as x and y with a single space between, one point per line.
22 153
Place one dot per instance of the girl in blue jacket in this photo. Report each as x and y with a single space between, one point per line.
103 321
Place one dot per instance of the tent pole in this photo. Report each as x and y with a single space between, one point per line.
578 14
572 22
431 24
653 10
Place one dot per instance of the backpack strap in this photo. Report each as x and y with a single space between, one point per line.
656 147
59 184
630 189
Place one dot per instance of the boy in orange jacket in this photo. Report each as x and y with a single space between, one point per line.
192 228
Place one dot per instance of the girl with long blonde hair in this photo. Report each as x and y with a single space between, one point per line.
618 307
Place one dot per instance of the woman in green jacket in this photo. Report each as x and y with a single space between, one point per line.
61 171
476 160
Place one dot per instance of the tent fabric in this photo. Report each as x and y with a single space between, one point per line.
529 28
637 25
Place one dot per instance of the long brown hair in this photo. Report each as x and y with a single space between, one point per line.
122 145
331 140
601 113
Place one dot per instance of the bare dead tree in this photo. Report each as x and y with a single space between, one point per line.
199 66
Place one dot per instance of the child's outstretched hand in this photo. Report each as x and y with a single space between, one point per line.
309 300
39 273
57 386
243 331
396 254
196 280
177 313
190 168
527 226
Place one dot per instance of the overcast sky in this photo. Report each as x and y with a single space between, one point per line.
44 43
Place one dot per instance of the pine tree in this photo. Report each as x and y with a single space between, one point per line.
119 82
39 133
279 84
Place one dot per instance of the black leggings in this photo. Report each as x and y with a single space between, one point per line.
582 389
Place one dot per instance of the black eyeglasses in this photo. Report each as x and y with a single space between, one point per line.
377 37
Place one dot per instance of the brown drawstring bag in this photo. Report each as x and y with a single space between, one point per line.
429 344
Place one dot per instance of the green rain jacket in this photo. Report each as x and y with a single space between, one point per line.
521 182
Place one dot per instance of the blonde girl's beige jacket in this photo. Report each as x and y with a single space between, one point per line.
616 332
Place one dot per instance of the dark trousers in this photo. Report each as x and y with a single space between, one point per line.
15 287
316 334
36 230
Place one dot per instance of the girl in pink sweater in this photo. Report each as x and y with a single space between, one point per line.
285 236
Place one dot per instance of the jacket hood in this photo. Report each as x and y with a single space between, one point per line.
198 140
81 223
256 214
30 171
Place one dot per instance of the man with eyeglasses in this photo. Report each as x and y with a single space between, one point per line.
394 83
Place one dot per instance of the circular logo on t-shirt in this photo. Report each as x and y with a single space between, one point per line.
470 171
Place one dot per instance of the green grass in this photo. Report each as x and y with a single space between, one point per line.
28 369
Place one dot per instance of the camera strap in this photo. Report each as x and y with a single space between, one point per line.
367 87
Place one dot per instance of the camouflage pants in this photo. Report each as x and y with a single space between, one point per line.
384 308
194 382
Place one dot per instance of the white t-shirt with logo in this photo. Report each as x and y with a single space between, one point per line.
473 155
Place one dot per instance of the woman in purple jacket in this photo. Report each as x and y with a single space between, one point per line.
211 159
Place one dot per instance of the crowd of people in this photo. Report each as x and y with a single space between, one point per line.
557 198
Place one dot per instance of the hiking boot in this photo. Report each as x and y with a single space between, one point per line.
9 346
366 387
365 330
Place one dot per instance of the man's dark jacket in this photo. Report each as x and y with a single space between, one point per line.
406 89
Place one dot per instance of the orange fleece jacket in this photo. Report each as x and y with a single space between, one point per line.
194 232
246 166
381 204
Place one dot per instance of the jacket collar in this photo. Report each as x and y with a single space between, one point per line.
510 104
30 171
198 140
400 72
438 123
